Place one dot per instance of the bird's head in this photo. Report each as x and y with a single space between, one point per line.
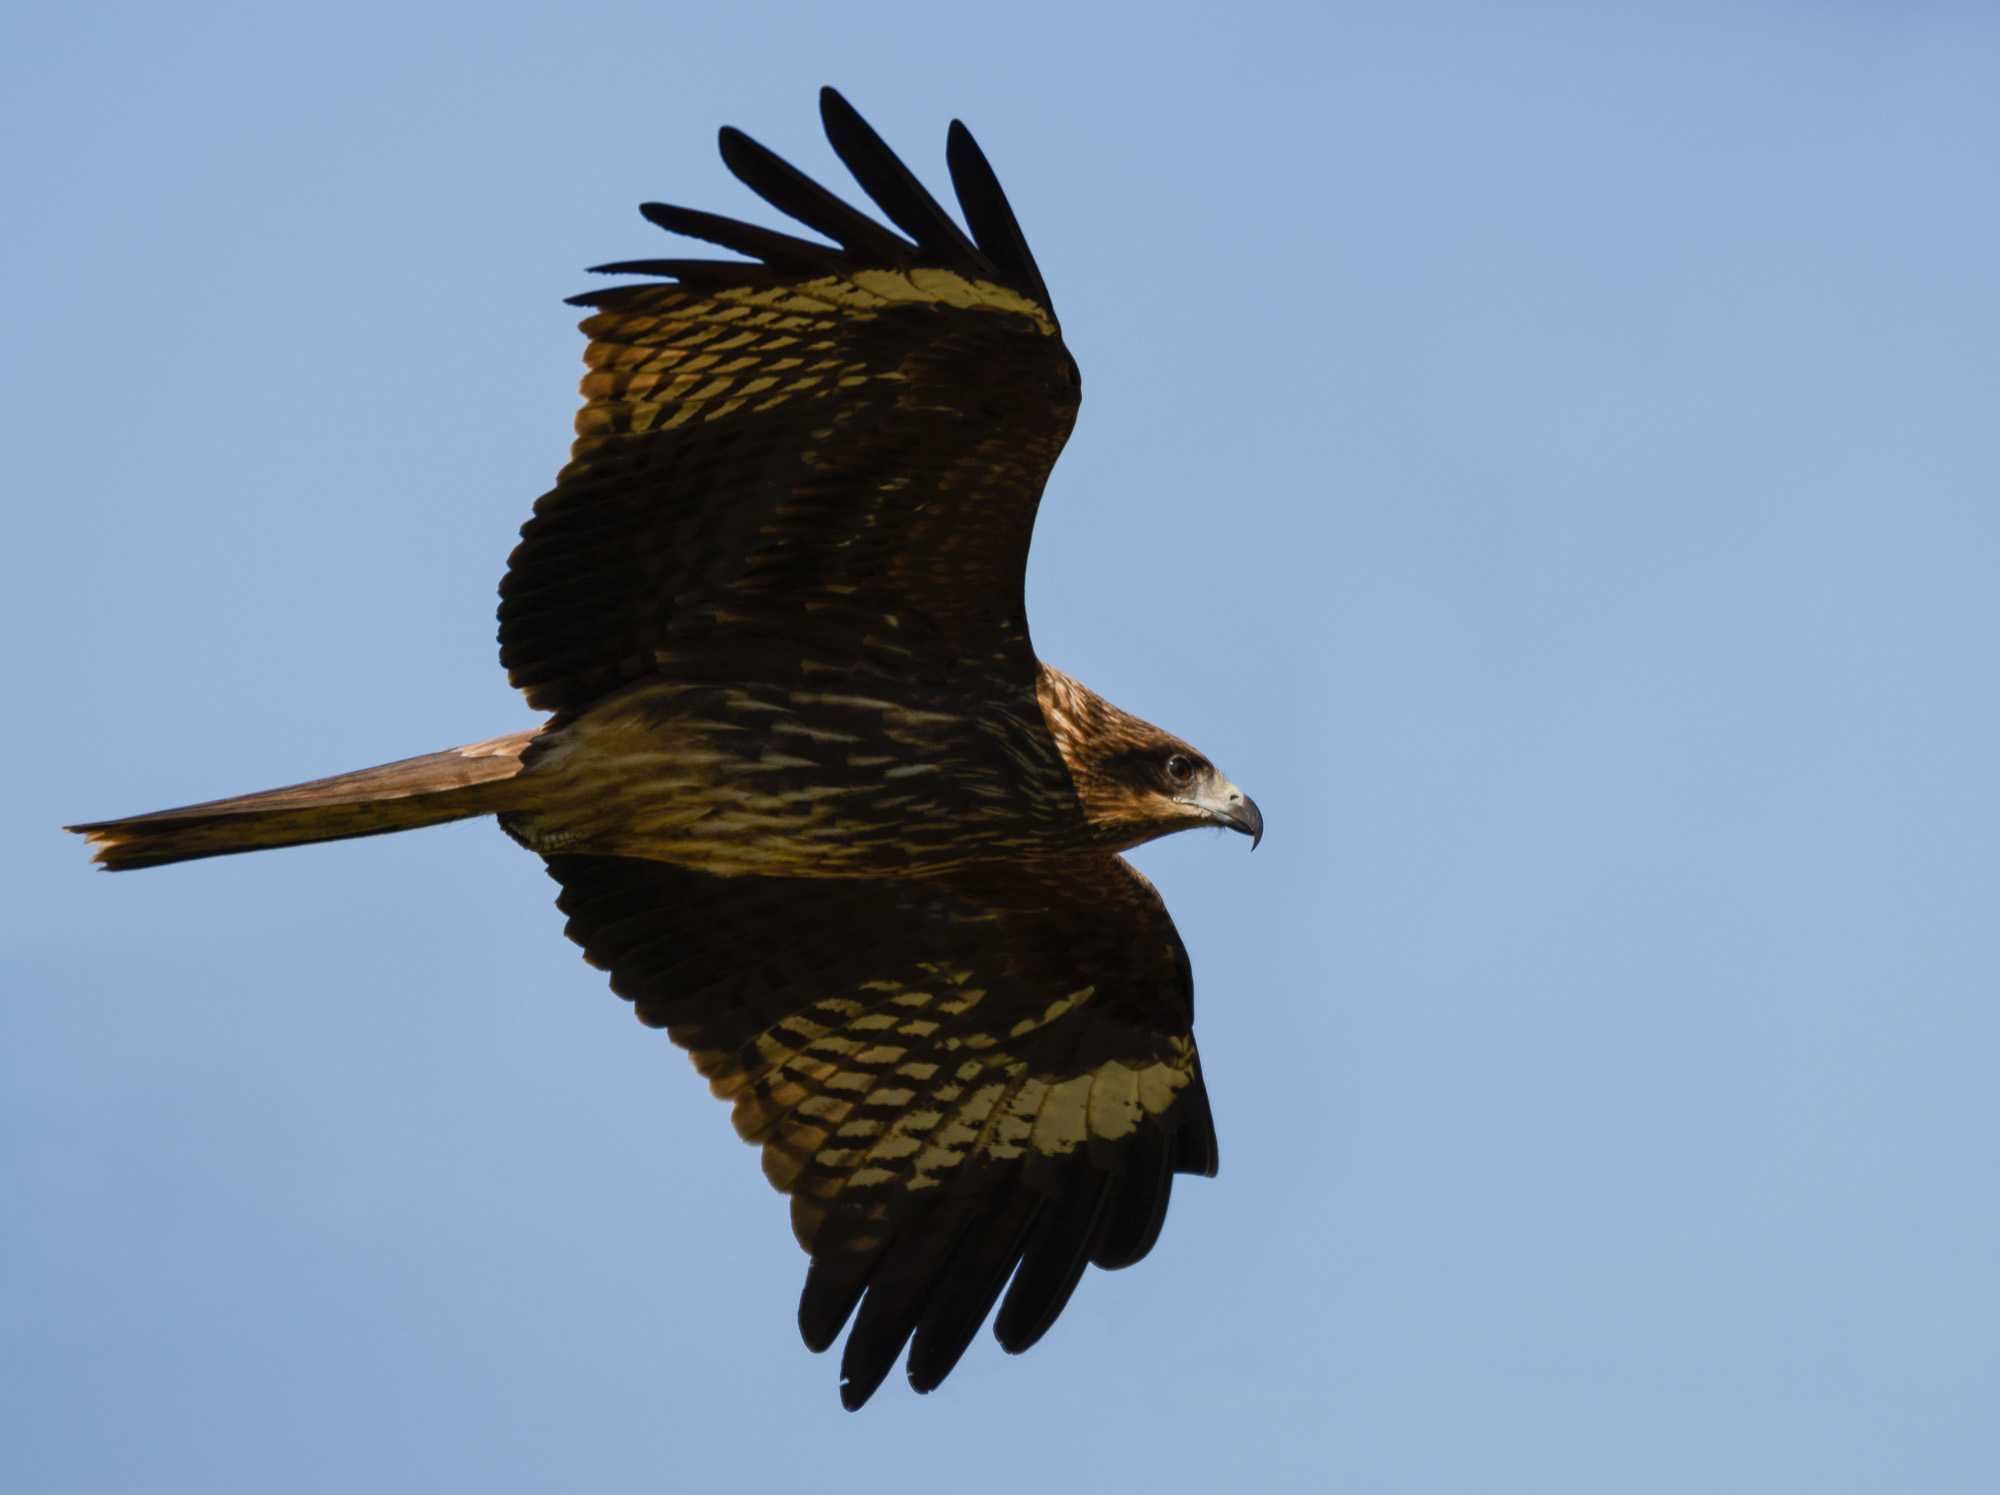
1135 781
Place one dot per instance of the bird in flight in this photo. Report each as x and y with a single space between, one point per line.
811 798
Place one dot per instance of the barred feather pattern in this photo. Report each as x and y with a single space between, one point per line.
855 771
952 1077
856 457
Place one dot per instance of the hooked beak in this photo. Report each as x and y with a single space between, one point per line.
1230 806
1243 815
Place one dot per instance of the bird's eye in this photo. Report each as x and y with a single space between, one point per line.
1180 768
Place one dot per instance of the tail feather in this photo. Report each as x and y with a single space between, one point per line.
430 790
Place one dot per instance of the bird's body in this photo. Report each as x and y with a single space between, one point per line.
829 774
811 796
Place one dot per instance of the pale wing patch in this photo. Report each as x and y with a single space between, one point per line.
692 355
846 1098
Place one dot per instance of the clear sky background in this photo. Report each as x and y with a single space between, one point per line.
1547 454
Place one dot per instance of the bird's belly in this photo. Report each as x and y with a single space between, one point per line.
782 783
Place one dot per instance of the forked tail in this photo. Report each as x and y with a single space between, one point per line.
451 785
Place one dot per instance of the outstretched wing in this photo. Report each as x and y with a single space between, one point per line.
951 1077
838 446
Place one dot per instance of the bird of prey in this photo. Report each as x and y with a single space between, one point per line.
811 797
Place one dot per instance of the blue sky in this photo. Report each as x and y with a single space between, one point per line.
1546 454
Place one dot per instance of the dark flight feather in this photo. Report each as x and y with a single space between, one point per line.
797 195
895 188
1052 1260
765 244
995 249
990 216
695 272
967 1288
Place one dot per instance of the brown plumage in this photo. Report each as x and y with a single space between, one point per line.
812 800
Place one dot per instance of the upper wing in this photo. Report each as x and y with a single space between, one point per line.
950 1076
842 444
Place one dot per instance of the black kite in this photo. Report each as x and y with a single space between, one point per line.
811 798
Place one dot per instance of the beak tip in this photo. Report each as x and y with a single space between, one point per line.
1251 820
1235 810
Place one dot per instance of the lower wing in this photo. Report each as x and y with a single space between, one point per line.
958 1080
